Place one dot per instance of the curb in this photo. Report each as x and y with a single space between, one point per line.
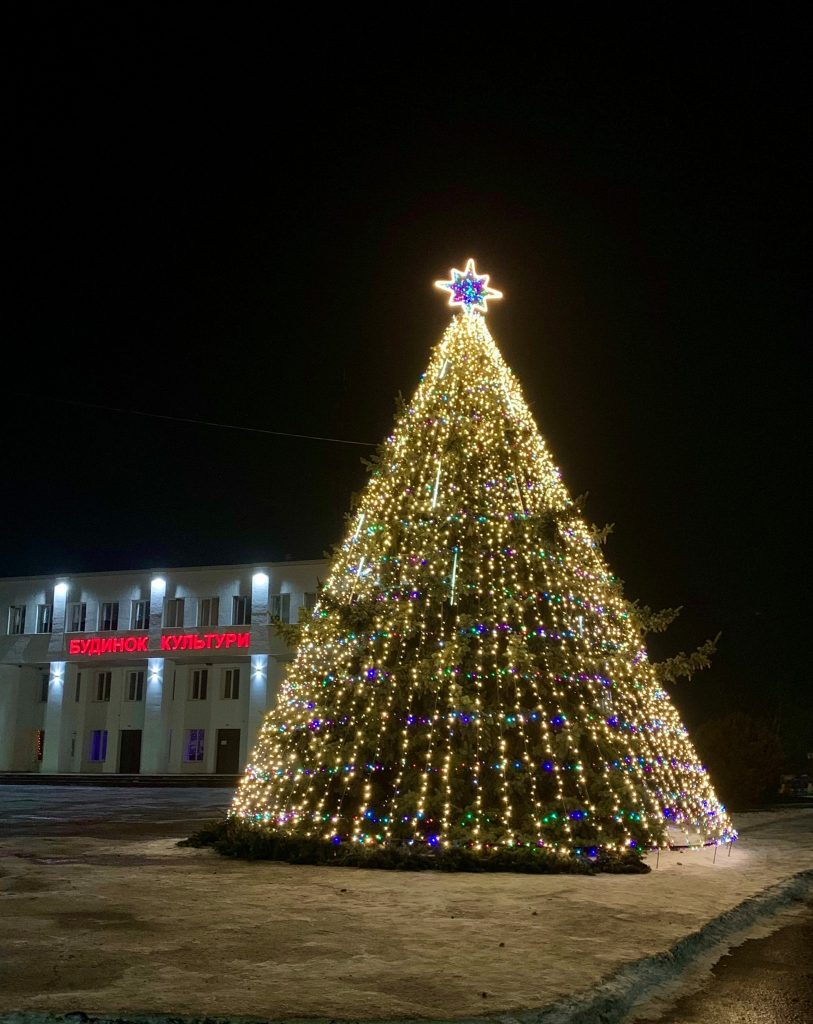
606 1003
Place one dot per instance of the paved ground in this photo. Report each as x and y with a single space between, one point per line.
102 912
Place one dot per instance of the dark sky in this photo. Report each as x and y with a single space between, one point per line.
240 222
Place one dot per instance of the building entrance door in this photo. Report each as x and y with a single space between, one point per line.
130 751
228 752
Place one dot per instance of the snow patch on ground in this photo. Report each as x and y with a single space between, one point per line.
139 927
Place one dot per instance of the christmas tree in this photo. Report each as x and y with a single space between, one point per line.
472 675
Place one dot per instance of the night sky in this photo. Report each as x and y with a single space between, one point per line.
234 222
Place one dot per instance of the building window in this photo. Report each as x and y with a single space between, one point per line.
279 607
193 751
78 686
109 616
140 615
231 684
16 619
241 611
45 618
135 685
309 601
208 611
98 745
173 612
44 688
200 680
103 680
39 743
77 617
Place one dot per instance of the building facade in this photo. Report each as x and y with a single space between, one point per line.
154 672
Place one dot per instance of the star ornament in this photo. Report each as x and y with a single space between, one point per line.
469 289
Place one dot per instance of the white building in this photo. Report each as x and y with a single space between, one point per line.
157 672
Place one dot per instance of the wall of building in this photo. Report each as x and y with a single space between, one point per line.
51 699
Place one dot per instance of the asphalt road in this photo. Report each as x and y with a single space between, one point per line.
100 812
763 981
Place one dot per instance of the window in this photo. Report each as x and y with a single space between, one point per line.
208 611
109 616
193 751
279 607
241 611
103 680
78 686
16 619
309 601
135 685
140 615
44 688
77 616
200 679
39 743
98 745
45 618
231 684
173 612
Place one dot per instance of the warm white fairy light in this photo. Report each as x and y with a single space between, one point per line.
480 682
454 579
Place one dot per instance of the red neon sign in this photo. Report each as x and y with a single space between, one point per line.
95 647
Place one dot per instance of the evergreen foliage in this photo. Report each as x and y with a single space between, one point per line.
472 679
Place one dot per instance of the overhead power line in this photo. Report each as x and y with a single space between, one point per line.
212 423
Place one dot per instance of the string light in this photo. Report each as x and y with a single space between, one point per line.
471 675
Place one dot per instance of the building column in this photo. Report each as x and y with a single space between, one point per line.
154 736
257 704
56 752
56 642
75 718
259 610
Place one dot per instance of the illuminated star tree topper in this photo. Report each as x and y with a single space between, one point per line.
469 289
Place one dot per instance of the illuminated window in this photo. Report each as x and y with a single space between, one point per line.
208 611
241 611
134 689
77 617
45 618
173 612
193 749
39 743
103 681
279 607
16 619
231 684
109 616
140 615
198 684
98 745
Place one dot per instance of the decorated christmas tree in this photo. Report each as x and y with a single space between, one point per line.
472 676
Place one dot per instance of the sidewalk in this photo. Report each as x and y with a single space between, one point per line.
136 926
116 779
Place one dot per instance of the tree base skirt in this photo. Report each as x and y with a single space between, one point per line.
233 838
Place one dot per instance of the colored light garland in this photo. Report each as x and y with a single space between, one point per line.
471 675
